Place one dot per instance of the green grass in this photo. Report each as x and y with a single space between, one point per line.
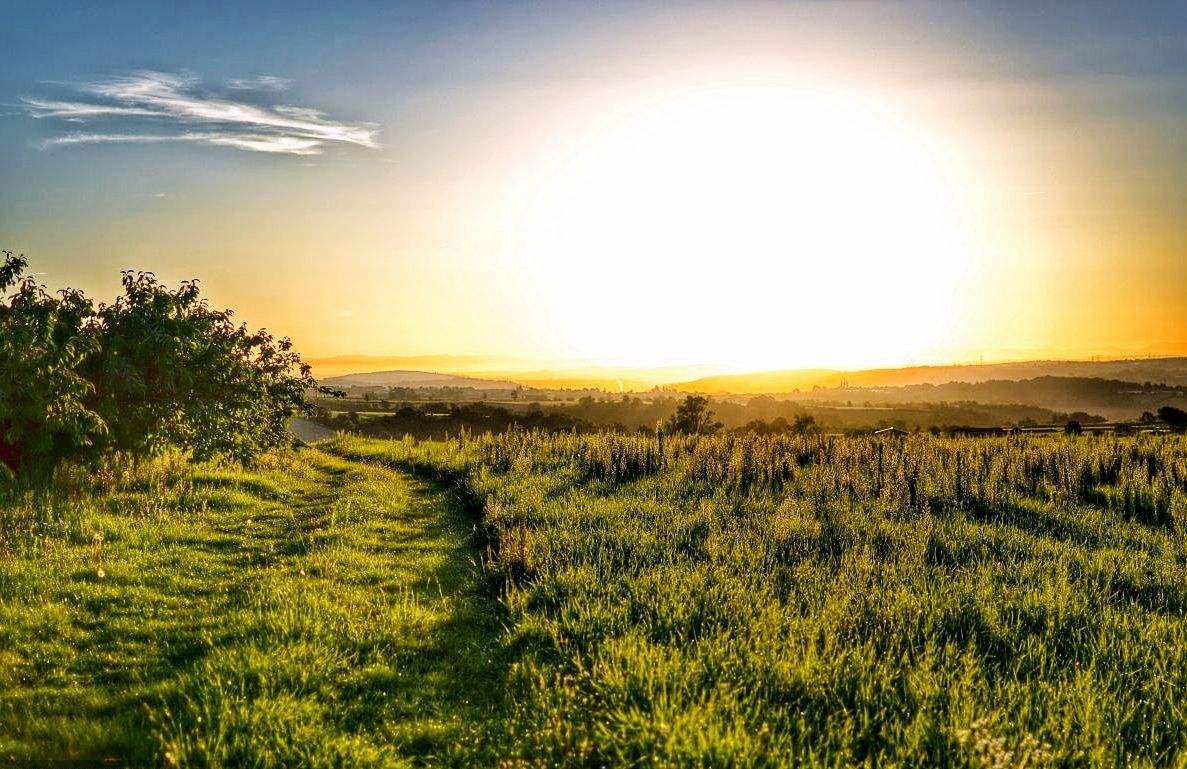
315 613
617 601
815 602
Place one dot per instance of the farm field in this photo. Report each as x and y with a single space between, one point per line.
543 600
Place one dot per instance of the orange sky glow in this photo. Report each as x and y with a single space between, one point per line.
809 186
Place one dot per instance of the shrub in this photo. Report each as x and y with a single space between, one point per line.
1175 418
155 369
44 414
170 371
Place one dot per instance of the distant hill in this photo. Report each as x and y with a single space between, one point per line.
608 378
416 379
1114 399
546 376
464 365
1172 371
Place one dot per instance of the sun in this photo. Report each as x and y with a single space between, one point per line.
758 226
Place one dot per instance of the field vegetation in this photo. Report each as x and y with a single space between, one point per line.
807 601
536 599
763 414
307 612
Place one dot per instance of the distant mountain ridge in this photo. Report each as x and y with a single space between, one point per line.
348 365
1152 384
1171 371
416 379
1114 399
561 374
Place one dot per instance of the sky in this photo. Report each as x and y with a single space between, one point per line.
754 185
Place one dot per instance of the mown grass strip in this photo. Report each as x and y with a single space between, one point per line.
319 612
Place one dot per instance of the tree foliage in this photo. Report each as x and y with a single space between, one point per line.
693 417
44 339
156 368
1175 418
170 371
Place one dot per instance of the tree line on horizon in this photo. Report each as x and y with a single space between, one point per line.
433 416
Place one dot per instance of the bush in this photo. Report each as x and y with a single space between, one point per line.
1175 418
172 372
44 339
155 369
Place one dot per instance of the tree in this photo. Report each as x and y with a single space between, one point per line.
693 417
44 417
156 368
804 424
1073 427
1176 419
172 372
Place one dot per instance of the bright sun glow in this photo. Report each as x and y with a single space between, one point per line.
755 226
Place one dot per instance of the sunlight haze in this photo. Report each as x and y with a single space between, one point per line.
754 187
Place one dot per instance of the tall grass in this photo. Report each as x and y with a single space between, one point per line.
817 601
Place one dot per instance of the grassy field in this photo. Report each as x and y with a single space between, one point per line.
314 612
818 602
560 600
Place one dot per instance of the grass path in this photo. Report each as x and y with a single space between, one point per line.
320 612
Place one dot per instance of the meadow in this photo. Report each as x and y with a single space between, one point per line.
307 612
814 601
530 599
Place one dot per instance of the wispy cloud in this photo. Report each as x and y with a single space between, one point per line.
287 145
260 83
77 111
154 107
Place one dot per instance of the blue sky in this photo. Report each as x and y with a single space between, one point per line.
270 146
366 61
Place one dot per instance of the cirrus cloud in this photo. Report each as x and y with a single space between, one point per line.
260 83
153 107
